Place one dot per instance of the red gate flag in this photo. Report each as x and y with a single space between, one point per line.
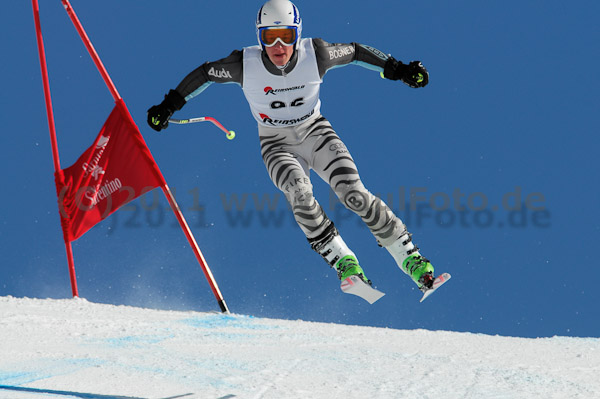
116 169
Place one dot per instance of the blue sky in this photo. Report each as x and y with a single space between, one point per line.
511 114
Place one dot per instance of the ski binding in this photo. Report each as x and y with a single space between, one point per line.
437 283
356 286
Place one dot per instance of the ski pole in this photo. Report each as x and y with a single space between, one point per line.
230 133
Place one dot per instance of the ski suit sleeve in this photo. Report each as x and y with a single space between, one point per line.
225 70
335 55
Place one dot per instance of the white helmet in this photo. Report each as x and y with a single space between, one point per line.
278 13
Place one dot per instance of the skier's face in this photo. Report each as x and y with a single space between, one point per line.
280 54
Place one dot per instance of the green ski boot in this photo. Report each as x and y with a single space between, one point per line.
420 270
410 261
348 266
336 253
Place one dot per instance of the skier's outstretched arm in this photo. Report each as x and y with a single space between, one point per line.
333 55
226 70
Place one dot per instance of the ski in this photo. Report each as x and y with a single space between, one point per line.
437 283
356 286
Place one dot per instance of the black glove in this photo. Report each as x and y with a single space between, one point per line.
158 115
414 74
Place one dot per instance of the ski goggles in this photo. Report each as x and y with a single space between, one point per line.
270 35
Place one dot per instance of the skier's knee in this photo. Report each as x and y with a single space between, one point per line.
299 191
355 197
302 197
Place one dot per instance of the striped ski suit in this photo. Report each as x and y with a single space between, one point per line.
294 136
288 164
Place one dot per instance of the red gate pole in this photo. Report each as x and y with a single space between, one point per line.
91 50
165 187
52 128
192 241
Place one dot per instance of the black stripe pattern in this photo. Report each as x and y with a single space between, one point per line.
290 152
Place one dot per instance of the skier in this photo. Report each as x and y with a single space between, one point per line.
280 79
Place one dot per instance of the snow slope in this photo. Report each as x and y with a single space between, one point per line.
76 349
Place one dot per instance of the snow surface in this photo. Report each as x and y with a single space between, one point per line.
72 348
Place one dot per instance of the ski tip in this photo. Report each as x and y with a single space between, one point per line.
355 286
437 283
